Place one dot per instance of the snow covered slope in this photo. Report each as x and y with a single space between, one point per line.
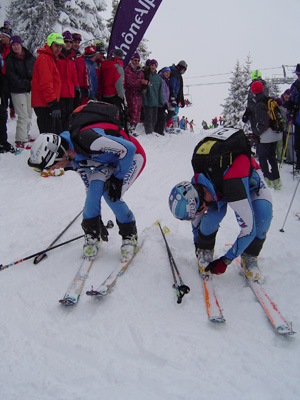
138 343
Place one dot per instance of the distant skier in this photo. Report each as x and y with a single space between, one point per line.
204 201
108 161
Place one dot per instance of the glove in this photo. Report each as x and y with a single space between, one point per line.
54 109
114 188
218 266
182 104
103 231
173 102
77 92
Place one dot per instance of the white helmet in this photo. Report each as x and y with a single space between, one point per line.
45 149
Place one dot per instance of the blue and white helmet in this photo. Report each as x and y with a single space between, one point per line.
184 201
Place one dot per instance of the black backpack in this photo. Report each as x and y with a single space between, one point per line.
217 151
276 119
90 114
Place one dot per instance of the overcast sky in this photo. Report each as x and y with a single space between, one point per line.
212 35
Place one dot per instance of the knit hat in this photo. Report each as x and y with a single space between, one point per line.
182 65
148 62
166 69
136 55
118 53
67 35
153 61
77 37
288 92
297 71
5 32
257 87
90 51
16 39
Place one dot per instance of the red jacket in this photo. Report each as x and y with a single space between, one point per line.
4 53
68 73
81 70
112 78
46 82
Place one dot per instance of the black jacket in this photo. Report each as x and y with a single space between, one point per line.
19 72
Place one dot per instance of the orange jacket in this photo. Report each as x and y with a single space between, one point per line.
46 82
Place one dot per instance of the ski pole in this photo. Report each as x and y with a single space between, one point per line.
40 252
181 289
282 230
286 144
44 255
110 224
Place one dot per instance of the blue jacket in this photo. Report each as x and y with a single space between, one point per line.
92 77
105 150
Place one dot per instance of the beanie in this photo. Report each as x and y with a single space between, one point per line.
16 39
5 32
118 53
90 51
67 36
257 87
76 36
166 69
136 55
153 61
182 65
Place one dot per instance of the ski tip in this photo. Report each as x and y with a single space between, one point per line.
92 293
67 302
217 319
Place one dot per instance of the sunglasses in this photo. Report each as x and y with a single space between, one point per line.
68 41
136 59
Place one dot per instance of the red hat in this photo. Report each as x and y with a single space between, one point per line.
90 51
257 87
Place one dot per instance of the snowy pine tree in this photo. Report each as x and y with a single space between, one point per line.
247 83
83 16
234 106
33 21
273 88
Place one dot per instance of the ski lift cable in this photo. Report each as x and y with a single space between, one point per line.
230 73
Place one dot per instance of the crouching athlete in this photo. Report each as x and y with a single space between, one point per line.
204 201
108 161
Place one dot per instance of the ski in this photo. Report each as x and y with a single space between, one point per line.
107 285
214 311
74 290
275 317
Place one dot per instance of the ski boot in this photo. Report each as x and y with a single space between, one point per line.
90 247
204 258
128 248
249 264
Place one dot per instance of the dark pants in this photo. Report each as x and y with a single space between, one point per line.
161 121
297 145
150 118
45 122
67 107
267 155
3 121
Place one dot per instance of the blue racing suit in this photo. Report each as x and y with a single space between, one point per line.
244 189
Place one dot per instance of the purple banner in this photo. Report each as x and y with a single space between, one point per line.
130 24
